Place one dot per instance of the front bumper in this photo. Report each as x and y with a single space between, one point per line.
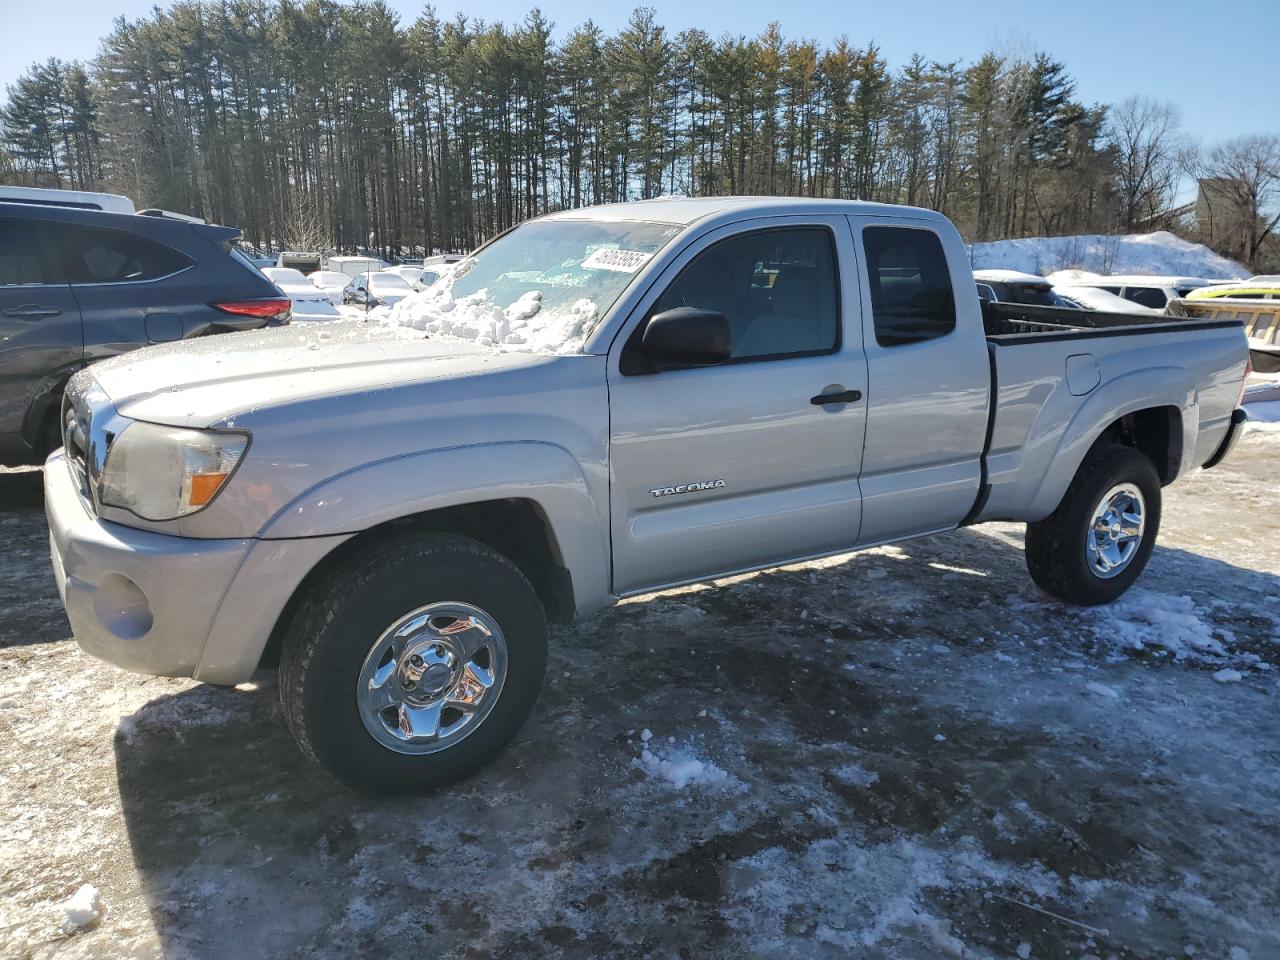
164 605
1238 419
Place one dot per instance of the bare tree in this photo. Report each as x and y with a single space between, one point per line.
1239 182
304 227
1144 135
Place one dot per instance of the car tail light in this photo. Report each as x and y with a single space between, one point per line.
271 308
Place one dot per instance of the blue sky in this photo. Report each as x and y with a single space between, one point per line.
1217 63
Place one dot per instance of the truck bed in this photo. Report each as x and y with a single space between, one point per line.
1013 323
1261 320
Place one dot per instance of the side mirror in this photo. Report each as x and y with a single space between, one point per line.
687 337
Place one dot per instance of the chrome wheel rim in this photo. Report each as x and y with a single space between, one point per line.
1115 532
432 677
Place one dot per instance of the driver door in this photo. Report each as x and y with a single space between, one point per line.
742 464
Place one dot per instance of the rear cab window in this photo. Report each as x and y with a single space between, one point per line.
910 283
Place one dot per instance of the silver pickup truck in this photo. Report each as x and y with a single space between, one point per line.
597 404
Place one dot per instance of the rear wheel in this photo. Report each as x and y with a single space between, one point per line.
413 663
1096 544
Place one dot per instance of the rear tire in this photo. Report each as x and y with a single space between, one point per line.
413 662
1083 552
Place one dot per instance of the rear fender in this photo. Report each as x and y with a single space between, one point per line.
1141 390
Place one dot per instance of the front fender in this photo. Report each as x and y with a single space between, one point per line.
1140 390
544 473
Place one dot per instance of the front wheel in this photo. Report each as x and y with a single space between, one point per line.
413 663
1096 544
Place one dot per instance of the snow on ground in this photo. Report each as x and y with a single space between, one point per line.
1144 619
905 753
1158 254
83 909
679 766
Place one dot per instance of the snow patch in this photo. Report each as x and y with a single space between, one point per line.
83 909
855 775
680 767
1228 676
1102 690
1143 619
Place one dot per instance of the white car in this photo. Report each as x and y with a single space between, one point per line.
353 266
378 289
309 303
331 283
1096 298
1153 292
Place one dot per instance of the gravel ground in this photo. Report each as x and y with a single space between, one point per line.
903 753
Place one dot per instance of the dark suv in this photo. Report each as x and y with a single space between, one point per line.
80 285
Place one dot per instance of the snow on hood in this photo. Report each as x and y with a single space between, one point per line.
522 326
211 380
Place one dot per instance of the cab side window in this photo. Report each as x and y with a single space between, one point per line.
95 255
778 289
20 262
911 296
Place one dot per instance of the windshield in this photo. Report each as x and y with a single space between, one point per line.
329 278
388 282
543 286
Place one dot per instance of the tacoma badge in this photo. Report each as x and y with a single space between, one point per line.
687 488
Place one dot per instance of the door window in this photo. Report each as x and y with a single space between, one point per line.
95 255
19 261
911 296
779 290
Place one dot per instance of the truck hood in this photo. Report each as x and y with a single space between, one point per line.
212 380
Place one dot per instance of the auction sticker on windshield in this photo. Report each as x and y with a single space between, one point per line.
623 261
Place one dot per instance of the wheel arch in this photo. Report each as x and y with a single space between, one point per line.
1153 411
517 528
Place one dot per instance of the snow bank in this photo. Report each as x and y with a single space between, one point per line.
1157 254
84 909
477 319
1143 619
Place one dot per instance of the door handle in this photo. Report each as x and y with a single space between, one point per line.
845 396
30 311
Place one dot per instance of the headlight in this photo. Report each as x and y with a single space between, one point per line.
162 473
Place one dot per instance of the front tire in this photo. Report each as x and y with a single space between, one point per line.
413 662
1092 548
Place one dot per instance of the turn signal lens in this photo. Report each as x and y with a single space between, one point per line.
204 486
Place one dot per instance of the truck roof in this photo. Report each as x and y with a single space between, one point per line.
686 210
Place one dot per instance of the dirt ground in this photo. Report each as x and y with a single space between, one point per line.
904 753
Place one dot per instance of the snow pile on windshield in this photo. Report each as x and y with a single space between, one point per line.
477 319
